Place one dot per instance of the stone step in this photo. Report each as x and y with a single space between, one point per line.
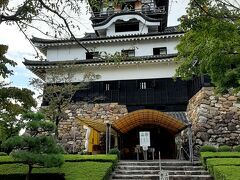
199 172
156 177
156 163
183 168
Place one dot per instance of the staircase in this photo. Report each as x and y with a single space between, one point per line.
178 170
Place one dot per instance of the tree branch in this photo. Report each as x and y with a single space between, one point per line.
65 22
28 39
15 17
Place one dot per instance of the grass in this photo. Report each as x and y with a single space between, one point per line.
76 167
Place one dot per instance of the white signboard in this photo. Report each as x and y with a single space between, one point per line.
144 137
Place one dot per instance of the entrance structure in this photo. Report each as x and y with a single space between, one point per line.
163 128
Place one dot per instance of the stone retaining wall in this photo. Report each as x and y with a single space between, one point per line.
71 132
215 119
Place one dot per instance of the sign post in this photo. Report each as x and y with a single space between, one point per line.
144 137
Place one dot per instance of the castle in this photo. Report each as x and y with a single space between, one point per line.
139 92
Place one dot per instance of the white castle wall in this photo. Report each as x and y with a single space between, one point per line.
142 48
128 72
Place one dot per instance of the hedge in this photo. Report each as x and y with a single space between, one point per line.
96 158
84 167
222 165
211 163
70 158
208 148
207 155
224 148
35 176
226 172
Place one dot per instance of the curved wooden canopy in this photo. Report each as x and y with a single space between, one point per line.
147 116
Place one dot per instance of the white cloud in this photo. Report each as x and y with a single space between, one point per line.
177 8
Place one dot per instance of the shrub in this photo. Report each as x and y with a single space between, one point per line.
3 154
224 148
208 155
208 148
226 172
114 151
237 148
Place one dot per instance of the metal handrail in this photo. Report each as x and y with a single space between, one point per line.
163 174
158 10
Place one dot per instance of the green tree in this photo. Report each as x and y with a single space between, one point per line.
211 43
37 147
59 89
4 62
13 101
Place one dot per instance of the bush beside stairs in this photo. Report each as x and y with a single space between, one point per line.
178 170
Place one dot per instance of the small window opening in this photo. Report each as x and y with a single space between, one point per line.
143 85
160 51
126 26
129 53
112 85
92 55
107 86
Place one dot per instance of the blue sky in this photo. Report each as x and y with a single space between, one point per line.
20 48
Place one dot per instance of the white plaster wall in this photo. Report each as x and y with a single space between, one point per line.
128 72
142 48
143 29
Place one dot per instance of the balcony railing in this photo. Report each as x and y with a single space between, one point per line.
109 12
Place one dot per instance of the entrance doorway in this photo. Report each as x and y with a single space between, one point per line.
160 139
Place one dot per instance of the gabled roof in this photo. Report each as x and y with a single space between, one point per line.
146 18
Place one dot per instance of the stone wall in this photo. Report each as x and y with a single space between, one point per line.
71 132
215 119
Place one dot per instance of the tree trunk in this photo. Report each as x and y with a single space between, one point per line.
29 172
56 128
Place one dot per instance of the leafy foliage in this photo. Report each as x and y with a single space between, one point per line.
224 148
4 71
118 57
208 148
211 44
3 154
97 5
13 102
115 151
39 147
237 148
59 90
43 11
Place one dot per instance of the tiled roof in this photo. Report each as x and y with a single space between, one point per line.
180 116
92 36
97 60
